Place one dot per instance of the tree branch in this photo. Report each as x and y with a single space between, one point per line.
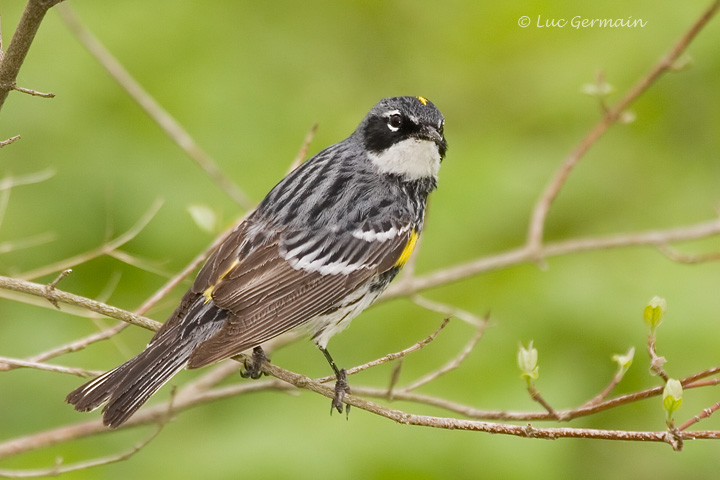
9 141
23 37
18 363
542 207
71 299
520 255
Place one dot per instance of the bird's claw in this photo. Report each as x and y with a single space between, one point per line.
253 365
342 388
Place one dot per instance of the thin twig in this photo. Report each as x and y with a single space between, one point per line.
34 93
455 362
656 361
80 343
391 356
158 114
50 287
692 259
83 302
535 395
450 310
704 414
394 378
606 391
9 141
19 363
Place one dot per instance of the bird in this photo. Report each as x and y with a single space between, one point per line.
318 250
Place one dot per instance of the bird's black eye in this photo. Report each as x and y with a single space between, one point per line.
394 122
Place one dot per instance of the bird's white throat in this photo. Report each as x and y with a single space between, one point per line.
412 158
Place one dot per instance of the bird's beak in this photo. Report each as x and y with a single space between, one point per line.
431 133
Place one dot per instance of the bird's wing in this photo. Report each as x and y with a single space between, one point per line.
289 279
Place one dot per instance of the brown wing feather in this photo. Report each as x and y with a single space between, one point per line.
266 296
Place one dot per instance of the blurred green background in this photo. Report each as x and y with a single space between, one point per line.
248 79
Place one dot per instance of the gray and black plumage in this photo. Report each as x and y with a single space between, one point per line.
320 248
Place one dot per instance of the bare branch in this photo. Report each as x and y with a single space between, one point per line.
23 37
159 115
34 93
80 344
391 356
704 414
39 290
455 362
680 257
535 395
18 363
542 207
50 287
404 418
452 311
9 141
517 256
606 391
656 361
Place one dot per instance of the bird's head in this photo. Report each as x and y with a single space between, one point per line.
404 136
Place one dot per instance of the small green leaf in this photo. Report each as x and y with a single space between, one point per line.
672 397
624 361
205 217
528 362
654 312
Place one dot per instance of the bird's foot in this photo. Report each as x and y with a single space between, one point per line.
253 365
342 388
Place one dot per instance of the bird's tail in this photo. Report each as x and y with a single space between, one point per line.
127 387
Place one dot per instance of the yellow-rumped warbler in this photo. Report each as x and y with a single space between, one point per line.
317 251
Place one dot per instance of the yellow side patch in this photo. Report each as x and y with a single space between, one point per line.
208 291
423 100
408 250
234 264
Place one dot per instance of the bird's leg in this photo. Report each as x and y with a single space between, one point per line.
341 385
253 366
